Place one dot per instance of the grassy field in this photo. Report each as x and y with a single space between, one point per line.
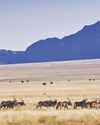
79 87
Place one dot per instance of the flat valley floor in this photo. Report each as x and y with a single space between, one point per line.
75 80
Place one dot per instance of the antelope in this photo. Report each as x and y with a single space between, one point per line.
3 104
90 104
8 104
97 104
47 103
63 104
21 103
80 104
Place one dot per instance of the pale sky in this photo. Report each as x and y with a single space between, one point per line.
23 22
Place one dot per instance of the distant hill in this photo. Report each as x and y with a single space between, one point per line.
84 44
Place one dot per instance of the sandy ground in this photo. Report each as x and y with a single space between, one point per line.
54 71
78 72
70 79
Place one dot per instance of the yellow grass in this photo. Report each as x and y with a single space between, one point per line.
78 88
70 117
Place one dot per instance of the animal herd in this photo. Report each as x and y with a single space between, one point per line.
85 103
10 104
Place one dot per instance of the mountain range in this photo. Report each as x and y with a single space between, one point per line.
85 44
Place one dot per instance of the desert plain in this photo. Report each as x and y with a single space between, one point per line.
75 80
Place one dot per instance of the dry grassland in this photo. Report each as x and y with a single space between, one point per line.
79 87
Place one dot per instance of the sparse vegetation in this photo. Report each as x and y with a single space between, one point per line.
76 90
44 83
51 82
22 81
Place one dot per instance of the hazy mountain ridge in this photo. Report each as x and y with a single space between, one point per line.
82 45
